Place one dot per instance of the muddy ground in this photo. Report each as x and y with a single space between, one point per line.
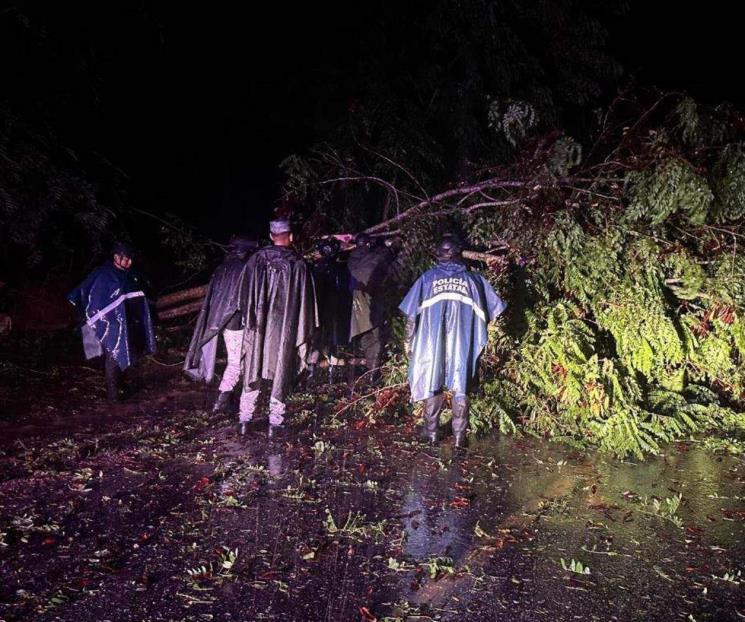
155 510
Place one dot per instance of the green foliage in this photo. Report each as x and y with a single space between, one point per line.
672 187
646 338
566 153
698 126
613 367
511 119
492 407
666 508
622 269
574 566
633 329
189 249
729 184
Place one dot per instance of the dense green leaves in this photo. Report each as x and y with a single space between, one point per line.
626 324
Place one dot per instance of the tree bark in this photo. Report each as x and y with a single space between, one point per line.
180 296
169 314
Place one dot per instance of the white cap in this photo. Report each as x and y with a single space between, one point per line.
276 227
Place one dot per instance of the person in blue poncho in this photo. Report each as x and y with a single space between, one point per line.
116 316
448 310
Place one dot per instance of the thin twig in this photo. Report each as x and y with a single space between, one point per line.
362 397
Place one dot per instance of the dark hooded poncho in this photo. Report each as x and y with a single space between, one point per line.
334 303
220 307
279 317
369 269
116 315
452 308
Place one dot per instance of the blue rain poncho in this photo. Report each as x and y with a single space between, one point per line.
116 315
452 308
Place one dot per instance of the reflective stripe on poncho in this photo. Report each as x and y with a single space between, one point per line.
452 308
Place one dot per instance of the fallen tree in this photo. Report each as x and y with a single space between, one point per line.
619 258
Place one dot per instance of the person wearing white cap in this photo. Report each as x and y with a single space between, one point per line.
279 316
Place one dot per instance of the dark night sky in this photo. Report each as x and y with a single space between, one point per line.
198 105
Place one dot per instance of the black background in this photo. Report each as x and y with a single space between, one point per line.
199 104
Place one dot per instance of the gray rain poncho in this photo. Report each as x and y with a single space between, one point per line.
369 270
451 308
221 305
279 316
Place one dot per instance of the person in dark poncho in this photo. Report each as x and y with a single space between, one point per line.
116 316
447 313
334 307
278 303
220 315
370 276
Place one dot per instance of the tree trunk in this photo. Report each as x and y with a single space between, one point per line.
181 296
186 309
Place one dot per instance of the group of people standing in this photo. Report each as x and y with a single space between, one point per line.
279 315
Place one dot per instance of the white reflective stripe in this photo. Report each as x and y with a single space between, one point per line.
458 298
92 320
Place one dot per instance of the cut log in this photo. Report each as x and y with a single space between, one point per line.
180 311
180 296
477 256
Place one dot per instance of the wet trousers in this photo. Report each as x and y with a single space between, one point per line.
233 341
371 345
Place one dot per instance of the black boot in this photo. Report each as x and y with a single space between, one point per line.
460 421
222 403
432 409
113 374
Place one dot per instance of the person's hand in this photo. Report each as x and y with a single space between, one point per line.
407 348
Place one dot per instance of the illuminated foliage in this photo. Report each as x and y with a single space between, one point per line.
626 287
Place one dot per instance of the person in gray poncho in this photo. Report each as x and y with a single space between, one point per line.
220 315
278 303
447 313
371 275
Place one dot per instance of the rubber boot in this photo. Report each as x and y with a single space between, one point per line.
432 409
113 374
332 370
222 402
460 420
311 379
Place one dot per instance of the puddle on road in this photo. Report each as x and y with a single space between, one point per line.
507 515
